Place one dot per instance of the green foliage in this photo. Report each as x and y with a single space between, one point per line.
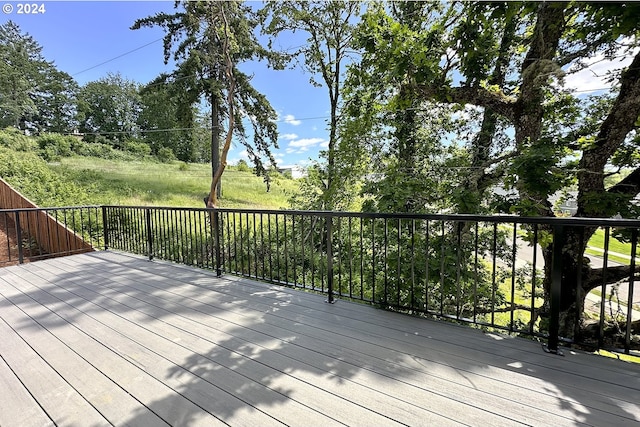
311 190
34 95
242 166
138 148
165 155
53 146
15 140
94 149
160 110
201 37
21 69
109 106
405 265
329 28
30 175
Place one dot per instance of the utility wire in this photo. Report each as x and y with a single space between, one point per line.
208 128
117 57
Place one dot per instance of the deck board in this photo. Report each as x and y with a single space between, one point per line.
108 338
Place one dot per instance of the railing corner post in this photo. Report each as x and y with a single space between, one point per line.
19 238
105 227
216 240
556 289
330 298
147 214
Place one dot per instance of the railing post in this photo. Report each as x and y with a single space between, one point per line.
147 214
215 222
556 289
329 220
105 227
19 237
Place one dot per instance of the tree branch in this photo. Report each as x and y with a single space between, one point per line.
482 97
612 133
629 186
614 274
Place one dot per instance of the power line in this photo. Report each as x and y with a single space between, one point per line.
208 128
117 57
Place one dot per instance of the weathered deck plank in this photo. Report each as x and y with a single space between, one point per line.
145 343
54 393
17 406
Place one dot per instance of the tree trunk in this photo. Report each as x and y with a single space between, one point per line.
537 68
331 154
215 142
229 78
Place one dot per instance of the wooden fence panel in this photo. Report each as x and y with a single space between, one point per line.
50 234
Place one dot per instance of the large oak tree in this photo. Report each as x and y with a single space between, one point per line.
510 60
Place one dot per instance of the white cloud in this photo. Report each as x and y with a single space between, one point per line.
288 136
290 119
305 142
324 144
594 77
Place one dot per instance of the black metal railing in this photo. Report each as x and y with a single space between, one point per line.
492 271
501 272
31 234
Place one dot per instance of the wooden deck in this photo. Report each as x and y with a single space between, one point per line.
111 339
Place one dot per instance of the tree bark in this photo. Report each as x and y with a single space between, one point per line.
614 129
215 143
537 67
231 87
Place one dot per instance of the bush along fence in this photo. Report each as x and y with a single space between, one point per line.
532 276
565 280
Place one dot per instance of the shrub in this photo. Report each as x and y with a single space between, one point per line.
166 155
103 151
242 166
53 146
137 148
30 175
97 149
14 139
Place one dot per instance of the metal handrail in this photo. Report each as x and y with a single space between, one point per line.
467 268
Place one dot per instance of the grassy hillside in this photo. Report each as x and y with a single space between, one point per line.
170 184
56 170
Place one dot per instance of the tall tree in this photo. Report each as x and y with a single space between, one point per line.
329 26
24 77
109 107
159 119
207 40
57 102
547 126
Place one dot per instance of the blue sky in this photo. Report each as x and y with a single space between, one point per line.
82 38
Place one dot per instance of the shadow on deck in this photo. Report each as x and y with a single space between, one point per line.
105 338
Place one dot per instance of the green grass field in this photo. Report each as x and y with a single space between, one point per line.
615 245
174 184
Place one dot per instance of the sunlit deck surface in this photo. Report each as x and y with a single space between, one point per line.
112 339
